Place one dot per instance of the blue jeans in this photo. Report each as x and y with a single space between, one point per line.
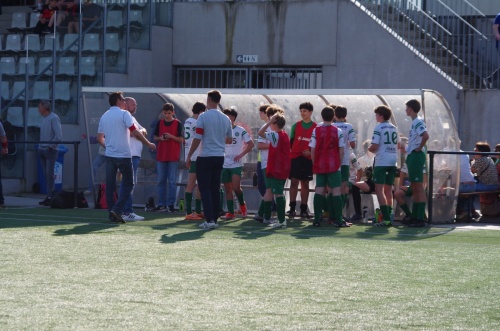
48 159
483 187
208 170
113 164
167 171
96 164
135 166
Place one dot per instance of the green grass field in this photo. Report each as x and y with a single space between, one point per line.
72 270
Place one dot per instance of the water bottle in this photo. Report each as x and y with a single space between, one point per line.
255 181
377 215
181 205
365 214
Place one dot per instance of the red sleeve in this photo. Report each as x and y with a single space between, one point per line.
199 131
132 128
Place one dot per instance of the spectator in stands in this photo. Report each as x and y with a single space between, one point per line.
50 136
136 150
67 17
48 10
4 151
168 135
90 13
115 127
467 185
492 80
213 132
484 168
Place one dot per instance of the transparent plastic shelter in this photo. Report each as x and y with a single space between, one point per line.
359 103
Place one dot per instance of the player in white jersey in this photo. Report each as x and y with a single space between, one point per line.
189 129
350 144
233 165
385 142
415 162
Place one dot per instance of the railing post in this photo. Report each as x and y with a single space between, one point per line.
431 185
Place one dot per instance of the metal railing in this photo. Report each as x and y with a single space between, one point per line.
443 34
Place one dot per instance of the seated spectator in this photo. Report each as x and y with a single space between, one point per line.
367 186
484 168
69 16
43 25
367 159
90 13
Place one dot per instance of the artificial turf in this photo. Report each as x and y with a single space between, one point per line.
73 270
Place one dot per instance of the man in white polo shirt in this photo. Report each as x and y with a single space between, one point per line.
213 131
115 127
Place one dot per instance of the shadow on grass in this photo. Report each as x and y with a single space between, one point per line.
182 236
85 229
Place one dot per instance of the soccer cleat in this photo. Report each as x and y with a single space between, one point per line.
291 213
258 218
416 223
356 217
406 220
342 224
159 208
243 209
278 225
193 217
209 225
305 215
45 202
384 223
200 215
131 217
115 218
229 216
270 221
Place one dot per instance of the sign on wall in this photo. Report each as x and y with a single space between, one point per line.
247 58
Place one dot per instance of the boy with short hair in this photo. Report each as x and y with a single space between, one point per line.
233 166
350 143
327 151
301 164
168 134
278 166
263 145
415 161
189 131
384 144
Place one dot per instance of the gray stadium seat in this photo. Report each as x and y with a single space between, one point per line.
34 118
5 90
15 116
43 63
114 21
18 22
69 38
12 45
112 48
8 66
67 67
91 43
22 66
41 90
88 70
19 87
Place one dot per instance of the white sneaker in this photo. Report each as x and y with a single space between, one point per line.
271 221
132 217
278 225
209 225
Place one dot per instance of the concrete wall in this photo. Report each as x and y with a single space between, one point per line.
353 50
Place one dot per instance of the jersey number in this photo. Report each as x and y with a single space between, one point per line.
388 137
